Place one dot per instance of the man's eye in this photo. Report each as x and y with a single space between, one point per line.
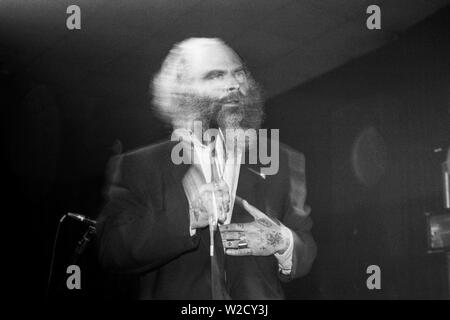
213 76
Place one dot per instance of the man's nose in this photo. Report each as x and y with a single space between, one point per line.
233 84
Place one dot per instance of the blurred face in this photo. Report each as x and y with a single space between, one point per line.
219 88
217 72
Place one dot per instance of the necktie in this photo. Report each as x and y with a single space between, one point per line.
218 285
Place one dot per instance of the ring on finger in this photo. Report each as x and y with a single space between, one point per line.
242 244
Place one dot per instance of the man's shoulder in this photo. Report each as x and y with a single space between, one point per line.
153 151
153 155
285 151
291 154
292 163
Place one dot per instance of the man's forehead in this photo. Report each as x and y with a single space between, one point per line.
214 56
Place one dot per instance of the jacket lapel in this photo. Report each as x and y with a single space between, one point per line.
250 188
178 171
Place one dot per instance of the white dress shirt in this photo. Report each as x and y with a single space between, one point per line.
228 167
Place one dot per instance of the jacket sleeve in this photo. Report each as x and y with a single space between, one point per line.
297 218
136 231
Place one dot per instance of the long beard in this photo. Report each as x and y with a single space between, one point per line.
212 113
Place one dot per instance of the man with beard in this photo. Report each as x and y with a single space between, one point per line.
211 226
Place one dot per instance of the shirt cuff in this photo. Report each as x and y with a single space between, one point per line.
285 259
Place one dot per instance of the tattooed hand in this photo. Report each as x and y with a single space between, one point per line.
206 205
264 236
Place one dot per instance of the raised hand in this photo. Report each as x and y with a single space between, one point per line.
263 237
205 205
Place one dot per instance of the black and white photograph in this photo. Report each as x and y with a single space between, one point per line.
198 150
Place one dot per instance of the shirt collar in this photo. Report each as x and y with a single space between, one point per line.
188 136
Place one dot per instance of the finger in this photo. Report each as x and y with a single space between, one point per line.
222 194
226 207
214 186
239 252
218 204
222 185
233 227
222 213
232 235
208 187
227 197
225 204
234 244
252 210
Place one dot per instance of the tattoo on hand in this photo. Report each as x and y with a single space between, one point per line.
275 220
274 239
264 222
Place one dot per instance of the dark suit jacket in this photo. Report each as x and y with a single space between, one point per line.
144 227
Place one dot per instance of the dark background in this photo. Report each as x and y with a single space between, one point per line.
394 101
403 91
